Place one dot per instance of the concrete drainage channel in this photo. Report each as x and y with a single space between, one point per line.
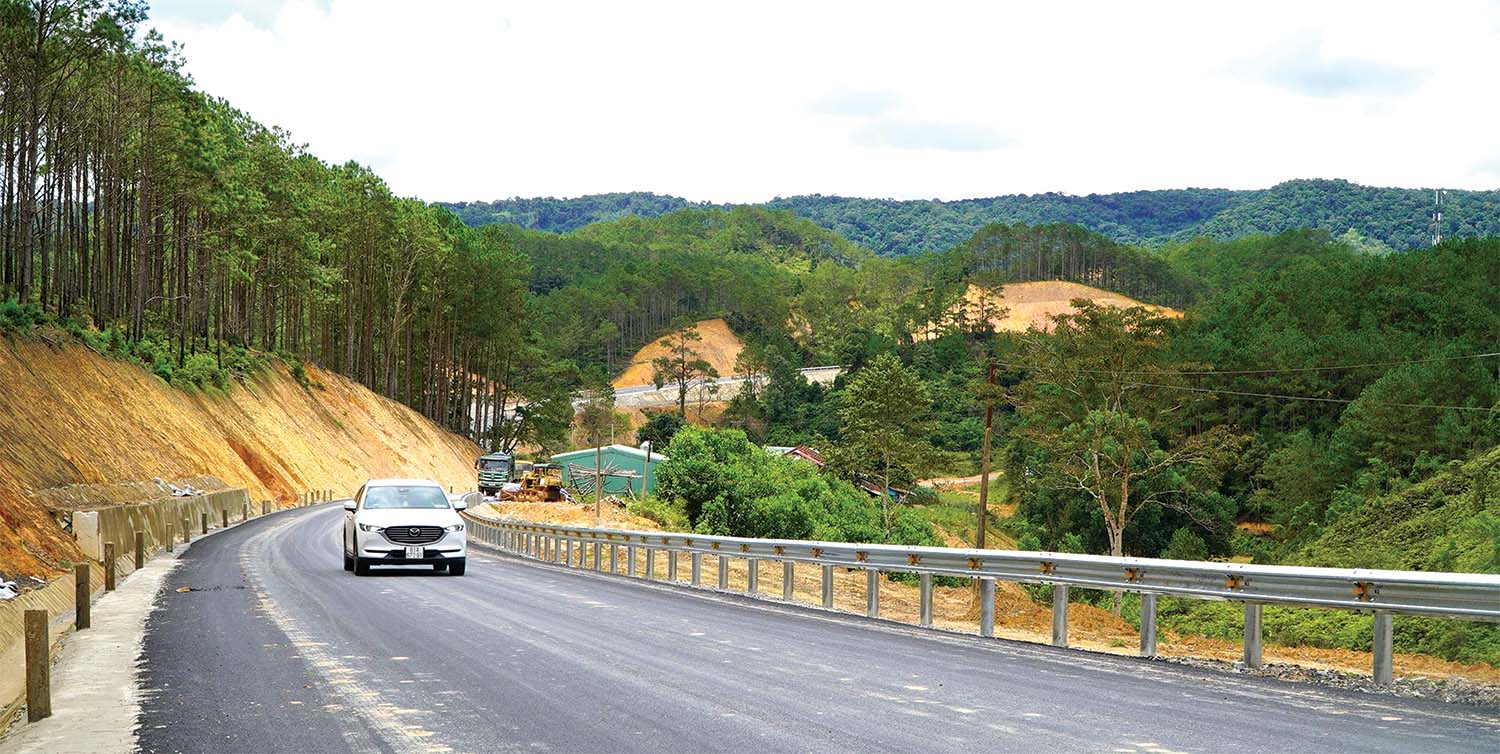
101 625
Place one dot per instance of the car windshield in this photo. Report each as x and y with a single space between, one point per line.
494 465
405 497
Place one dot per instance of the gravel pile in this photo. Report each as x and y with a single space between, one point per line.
1452 690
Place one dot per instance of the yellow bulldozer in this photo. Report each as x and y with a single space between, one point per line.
539 483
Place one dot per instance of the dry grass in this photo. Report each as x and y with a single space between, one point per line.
719 347
73 420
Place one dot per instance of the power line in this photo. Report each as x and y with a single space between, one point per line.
1281 370
1314 398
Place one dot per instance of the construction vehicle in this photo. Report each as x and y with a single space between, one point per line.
539 483
494 471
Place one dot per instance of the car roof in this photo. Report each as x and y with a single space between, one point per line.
402 483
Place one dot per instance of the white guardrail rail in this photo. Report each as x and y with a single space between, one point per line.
1463 596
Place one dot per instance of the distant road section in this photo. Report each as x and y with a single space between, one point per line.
278 649
649 396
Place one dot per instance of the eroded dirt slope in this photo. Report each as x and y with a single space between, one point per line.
719 347
69 416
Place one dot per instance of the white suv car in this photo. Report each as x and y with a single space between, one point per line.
404 522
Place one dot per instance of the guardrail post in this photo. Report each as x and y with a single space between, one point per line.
629 560
38 667
140 550
244 511
203 519
986 607
614 558
171 537
697 569
598 556
187 531
1384 637
671 565
787 580
872 593
650 563
109 566
1148 625
568 553
924 590
828 587
225 513
752 575
265 507
81 595
1252 634
723 571
1059 615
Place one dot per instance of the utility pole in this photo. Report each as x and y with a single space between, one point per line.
984 462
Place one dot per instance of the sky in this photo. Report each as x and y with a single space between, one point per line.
454 100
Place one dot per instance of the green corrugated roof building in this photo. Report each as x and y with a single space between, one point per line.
618 457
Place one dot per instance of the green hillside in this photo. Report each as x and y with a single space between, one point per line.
1397 218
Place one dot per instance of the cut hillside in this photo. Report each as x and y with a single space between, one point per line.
1034 304
719 347
71 417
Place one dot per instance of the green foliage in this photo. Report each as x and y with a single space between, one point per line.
20 318
1368 218
885 415
1447 522
201 370
724 484
659 429
1185 545
669 516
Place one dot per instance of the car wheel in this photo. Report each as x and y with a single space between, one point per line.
439 566
361 567
348 562
456 567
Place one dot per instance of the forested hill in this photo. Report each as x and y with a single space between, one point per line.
1397 218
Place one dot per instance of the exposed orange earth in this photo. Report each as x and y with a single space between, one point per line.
69 417
719 347
1035 304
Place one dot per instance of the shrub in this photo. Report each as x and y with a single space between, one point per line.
202 370
1185 545
661 511
724 484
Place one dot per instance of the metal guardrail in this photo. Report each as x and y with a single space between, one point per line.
1449 595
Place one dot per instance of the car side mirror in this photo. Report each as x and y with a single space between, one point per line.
467 500
349 505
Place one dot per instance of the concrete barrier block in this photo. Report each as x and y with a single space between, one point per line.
86 529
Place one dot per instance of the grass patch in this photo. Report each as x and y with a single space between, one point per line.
953 511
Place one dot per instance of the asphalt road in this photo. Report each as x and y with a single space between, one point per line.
276 648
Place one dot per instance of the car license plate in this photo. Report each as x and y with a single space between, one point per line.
414 553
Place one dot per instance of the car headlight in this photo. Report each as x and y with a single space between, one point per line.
455 527
371 527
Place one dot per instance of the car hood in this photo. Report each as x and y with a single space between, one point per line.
388 517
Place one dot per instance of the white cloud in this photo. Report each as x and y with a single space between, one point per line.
472 99
855 102
1299 64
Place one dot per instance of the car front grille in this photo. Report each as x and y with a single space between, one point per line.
414 535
